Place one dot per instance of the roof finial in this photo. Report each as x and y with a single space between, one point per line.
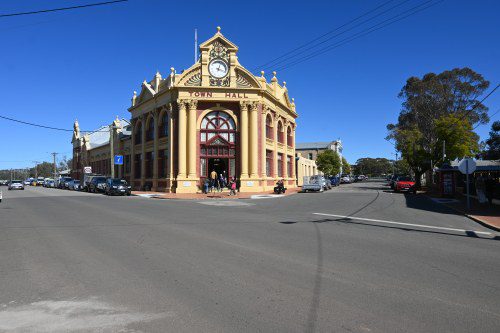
284 84
274 79
262 73
218 29
172 70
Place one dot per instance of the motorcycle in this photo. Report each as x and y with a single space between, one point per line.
279 188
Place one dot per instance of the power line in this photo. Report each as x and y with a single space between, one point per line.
63 8
263 66
48 127
412 11
479 124
480 102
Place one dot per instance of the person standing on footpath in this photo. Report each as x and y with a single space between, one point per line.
490 185
232 186
213 179
480 189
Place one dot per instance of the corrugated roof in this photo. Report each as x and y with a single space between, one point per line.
100 137
312 145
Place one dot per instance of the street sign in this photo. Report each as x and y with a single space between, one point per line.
118 159
467 166
87 169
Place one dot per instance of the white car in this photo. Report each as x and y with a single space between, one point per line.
26 182
16 185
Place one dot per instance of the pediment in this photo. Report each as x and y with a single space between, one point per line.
191 77
245 79
147 92
221 39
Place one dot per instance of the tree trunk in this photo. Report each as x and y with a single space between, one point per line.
418 182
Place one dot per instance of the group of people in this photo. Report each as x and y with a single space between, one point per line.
217 182
485 189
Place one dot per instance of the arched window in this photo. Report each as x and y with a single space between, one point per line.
281 136
163 126
269 127
138 133
150 130
218 144
289 137
219 124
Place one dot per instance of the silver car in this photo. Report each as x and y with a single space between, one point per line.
16 185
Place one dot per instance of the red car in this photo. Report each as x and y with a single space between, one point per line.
404 184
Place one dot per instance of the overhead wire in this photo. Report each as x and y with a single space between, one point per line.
410 12
47 127
63 8
265 65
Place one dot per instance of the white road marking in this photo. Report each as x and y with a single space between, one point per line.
406 224
89 315
225 203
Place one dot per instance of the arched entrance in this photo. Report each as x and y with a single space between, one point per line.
218 145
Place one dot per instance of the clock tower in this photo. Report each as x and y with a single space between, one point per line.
218 61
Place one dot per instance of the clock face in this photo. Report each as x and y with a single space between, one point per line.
218 68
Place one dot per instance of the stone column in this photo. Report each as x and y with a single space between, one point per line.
132 154
244 139
155 149
143 150
181 149
254 141
275 152
264 141
294 171
192 139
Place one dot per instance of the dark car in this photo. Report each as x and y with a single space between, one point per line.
117 186
97 184
334 181
63 181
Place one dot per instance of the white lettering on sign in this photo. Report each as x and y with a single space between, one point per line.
249 183
210 94
186 184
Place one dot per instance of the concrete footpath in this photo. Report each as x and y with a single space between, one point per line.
212 195
488 216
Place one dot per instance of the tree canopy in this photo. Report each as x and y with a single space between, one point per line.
439 108
373 166
328 162
346 167
492 149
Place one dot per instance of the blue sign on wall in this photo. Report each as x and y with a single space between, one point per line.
118 159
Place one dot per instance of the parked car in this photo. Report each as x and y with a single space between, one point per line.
4 182
46 182
392 181
117 186
87 178
314 183
404 183
97 184
328 184
334 181
16 185
62 182
345 179
26 182
51 183
76 186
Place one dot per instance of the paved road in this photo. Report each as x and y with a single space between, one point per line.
373 261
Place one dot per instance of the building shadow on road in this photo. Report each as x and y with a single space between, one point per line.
347 220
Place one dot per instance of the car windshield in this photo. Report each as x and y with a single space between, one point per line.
77 182
16 182
119 182
100 180
404 179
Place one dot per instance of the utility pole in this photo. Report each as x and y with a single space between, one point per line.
54 159
36 169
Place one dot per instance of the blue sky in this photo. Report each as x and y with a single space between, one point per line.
86 63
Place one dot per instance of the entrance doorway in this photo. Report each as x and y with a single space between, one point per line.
218 145
219 165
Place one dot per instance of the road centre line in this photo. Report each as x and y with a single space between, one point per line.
406 224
